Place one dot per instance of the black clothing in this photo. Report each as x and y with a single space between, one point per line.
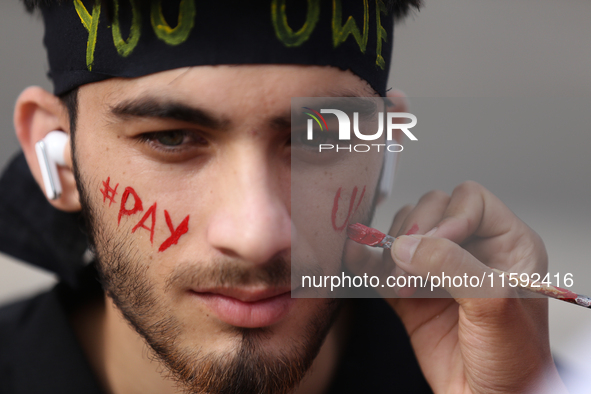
378 356
39 352
33 231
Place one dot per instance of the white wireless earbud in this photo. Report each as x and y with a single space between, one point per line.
50 154
387 180
386 183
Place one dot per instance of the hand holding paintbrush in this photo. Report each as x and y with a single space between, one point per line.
482 339
372 237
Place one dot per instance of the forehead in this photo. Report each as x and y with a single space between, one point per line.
239 88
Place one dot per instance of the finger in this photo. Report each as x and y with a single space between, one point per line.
473 210
492 312
423 217
420 219
488 229
399 219
397 224
447 266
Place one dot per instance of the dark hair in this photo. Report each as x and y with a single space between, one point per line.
398 8
32 5
70 101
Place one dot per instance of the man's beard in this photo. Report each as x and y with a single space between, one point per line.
248 368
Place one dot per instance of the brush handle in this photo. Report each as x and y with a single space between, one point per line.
548 291
554 292
366 236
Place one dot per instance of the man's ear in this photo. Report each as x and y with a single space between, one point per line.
37 113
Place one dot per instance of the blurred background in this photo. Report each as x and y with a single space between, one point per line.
503 91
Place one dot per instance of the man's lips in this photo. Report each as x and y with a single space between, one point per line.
246 294
247 307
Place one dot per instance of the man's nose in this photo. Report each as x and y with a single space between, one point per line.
252 218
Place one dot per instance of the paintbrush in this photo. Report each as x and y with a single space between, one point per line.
372 237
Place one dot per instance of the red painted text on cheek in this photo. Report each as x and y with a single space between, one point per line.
109 192
151 212
350 211
131 204
175 234
137 204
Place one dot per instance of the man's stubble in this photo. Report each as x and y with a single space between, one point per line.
247 368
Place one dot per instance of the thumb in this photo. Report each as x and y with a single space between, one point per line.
444 264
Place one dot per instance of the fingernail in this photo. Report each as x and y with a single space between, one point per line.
431 232
404 248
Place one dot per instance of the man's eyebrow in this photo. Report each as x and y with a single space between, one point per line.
282 122
157 108
365 104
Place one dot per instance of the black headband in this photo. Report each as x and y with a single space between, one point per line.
90 41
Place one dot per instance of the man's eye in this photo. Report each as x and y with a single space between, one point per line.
317 139
170 138
173 140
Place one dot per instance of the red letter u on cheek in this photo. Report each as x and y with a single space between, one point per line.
335 208
137 207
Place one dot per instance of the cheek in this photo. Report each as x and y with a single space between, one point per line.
331 198
322 210
152 226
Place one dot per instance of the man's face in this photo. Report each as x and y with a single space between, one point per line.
186 178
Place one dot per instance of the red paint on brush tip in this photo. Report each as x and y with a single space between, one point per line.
365 235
